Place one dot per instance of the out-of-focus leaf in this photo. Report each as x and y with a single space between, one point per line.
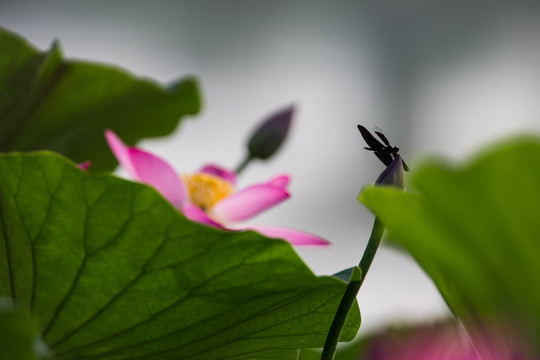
108 269
49 103
16 336
475 231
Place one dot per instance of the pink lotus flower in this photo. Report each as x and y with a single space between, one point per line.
208 196
450 341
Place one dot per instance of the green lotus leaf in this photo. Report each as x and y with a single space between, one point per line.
17 338
108 269
474 230
50 103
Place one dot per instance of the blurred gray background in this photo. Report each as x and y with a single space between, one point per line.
440 78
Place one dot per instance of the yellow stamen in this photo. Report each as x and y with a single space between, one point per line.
207 190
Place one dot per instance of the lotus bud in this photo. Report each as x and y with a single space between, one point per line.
393 175
269 136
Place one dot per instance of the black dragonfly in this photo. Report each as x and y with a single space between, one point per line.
384 151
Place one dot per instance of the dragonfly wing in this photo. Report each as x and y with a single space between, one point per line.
373 143
380 134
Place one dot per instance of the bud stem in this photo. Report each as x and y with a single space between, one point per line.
351 292
243 164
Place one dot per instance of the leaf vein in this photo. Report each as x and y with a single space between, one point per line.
86 257
293 298
161 311
40 230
